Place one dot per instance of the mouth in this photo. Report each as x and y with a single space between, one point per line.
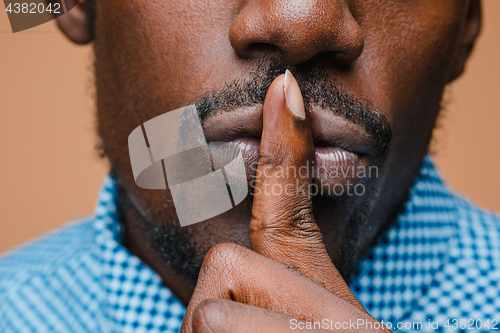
342 149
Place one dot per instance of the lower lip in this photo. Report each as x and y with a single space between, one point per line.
333 167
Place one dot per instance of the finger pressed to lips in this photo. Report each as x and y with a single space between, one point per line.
282 226
289 270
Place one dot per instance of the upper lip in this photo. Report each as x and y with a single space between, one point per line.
328 129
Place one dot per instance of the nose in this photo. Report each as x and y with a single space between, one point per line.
301 29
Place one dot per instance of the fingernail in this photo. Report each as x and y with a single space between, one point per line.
293 96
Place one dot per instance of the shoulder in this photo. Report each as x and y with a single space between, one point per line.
47 252
479 232
472 211
48 277
468 286
477 246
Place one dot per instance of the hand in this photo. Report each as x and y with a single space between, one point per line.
288 277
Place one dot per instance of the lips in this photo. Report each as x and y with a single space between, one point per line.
342 149
333 170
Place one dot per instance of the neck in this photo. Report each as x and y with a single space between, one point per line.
138 243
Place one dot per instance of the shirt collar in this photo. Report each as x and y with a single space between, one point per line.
402 266
394 275
134 297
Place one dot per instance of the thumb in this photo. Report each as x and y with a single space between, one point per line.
283 226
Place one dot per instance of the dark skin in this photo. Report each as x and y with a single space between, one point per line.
152 57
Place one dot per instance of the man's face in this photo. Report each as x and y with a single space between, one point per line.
372 73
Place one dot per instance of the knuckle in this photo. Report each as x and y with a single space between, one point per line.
222 253
303 221
269 162
225 249
224 260
268 156
290 219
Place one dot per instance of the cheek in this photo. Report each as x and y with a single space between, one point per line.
149 59
403 71
162 45
407 58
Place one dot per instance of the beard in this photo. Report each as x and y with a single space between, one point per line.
183 250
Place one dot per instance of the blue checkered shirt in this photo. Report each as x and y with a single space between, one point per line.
440 261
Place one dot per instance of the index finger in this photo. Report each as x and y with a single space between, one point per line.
282 226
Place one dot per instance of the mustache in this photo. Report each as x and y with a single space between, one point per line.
317 89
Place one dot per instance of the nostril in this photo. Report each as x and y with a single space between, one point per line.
329 59
344 58
261 48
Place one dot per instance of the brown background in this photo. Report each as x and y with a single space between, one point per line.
50 173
